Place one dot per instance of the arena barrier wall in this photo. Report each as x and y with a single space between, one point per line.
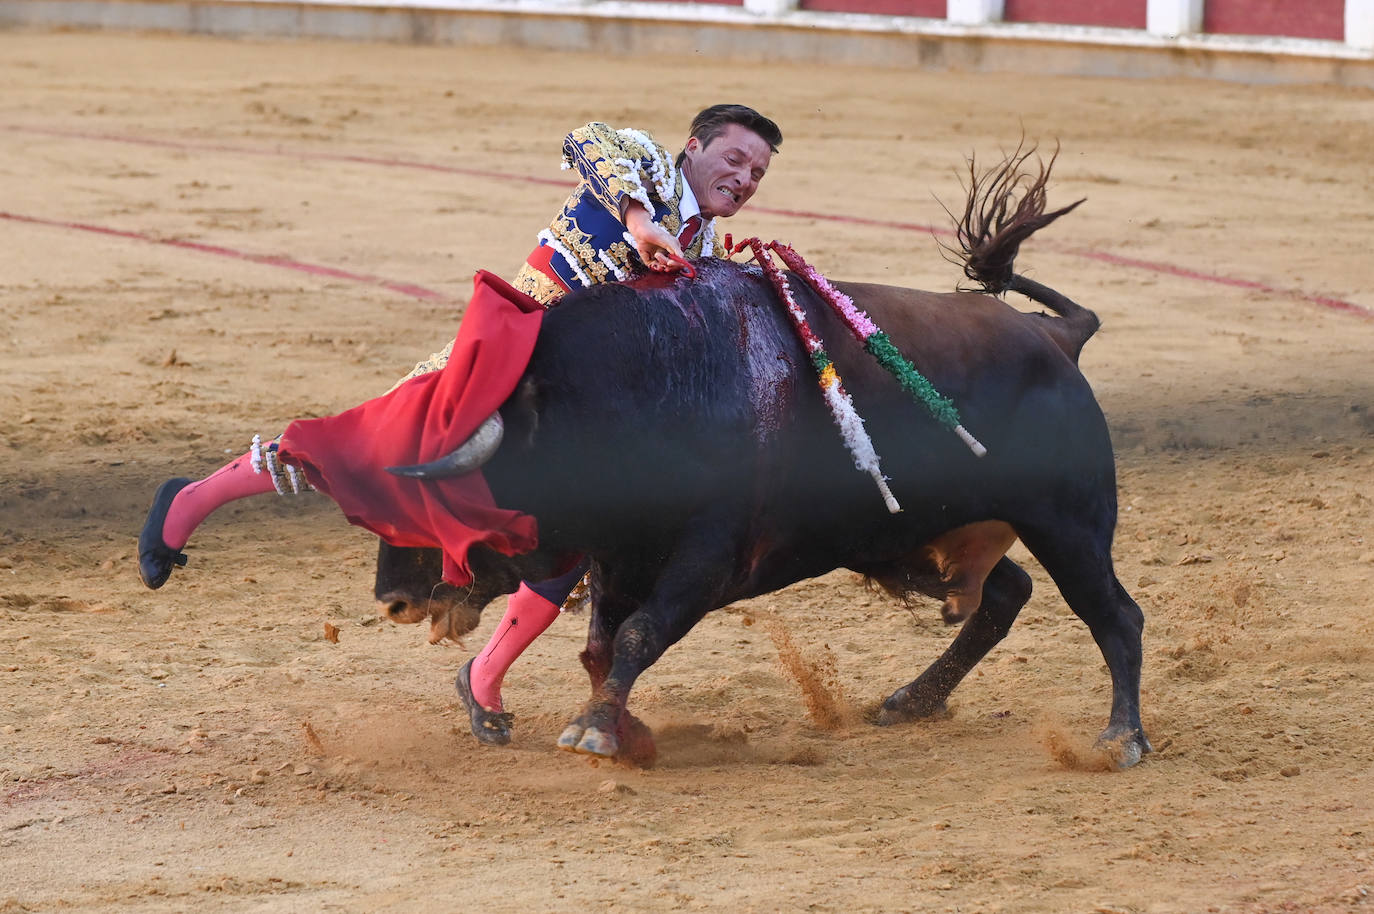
973 37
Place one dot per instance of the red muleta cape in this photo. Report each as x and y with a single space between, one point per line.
346 456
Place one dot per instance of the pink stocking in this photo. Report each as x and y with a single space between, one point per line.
527 616
196 502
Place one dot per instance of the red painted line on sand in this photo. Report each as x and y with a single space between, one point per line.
280 152
1324 301
271 260
852 220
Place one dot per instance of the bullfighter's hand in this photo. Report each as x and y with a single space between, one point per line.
657 247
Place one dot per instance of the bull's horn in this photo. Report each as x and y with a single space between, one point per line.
467 457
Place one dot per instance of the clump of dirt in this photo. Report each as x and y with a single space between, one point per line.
817 678
689 744
803 756
1064 749
312 739
637 747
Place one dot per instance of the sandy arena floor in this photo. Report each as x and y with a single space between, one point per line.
207 747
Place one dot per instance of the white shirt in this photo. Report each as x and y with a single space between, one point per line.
689 206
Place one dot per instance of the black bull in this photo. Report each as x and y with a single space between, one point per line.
674 432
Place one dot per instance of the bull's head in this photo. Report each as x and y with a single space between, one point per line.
410 586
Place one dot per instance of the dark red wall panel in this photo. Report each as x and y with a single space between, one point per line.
930 9
1291 18
1123 14
1323 19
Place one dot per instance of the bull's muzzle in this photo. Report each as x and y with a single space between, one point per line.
468 456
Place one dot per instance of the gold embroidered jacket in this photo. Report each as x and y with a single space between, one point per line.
588 242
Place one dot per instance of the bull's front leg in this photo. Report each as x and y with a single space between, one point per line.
605 727
688 586
610 607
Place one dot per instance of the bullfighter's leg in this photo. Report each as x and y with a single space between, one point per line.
687 588
529 613
181 505
1005 591
1080 563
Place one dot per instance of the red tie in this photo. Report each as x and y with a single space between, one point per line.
689 231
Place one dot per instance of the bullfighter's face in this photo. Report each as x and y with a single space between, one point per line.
725 173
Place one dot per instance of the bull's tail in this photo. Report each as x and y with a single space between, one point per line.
990 232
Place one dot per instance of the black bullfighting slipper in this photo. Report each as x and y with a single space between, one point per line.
155 558
490 727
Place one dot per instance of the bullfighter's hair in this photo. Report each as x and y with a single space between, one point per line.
711 123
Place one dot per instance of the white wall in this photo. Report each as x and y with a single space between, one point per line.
1171 18
1359 24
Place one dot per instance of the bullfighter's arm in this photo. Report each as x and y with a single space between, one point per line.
656 245
623 165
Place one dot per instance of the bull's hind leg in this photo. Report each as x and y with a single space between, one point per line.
1081 565
1005 591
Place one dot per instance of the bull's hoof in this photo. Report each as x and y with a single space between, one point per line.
598 742
490 727
571 735
632 743
1126 746
589 741
903 706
